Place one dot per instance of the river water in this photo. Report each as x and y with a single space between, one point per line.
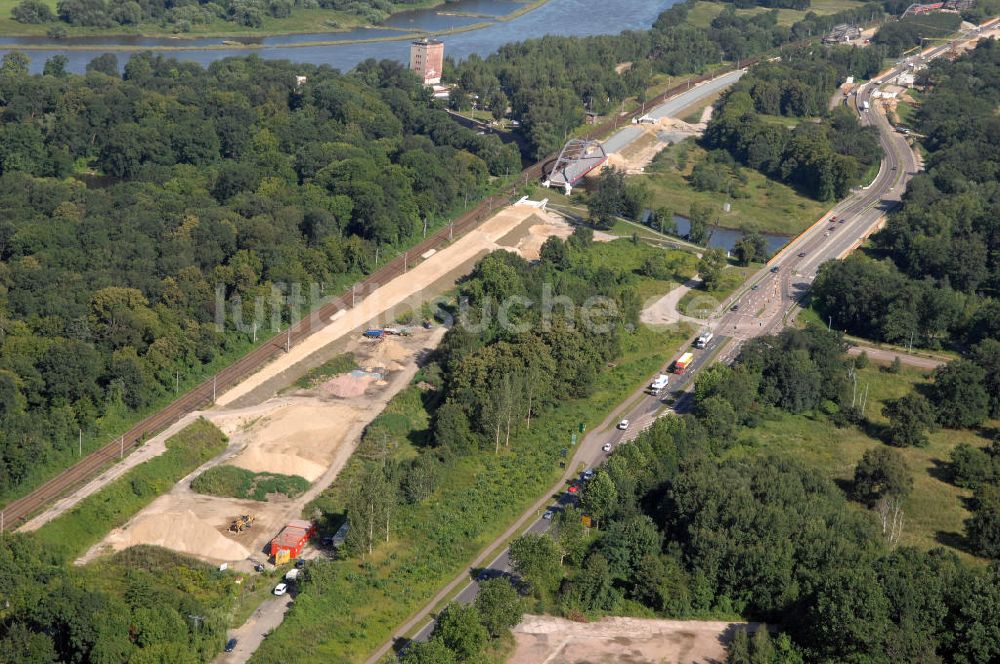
556 17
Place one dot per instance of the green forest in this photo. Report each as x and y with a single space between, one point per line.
931 277
691 521
182 17
226 184
550 83
821 159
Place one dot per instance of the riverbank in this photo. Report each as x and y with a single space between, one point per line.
301 22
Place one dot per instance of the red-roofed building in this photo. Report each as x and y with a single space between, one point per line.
293 538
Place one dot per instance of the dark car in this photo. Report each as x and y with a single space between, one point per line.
802 254
300 563
231 645
775 268
735 307
755 287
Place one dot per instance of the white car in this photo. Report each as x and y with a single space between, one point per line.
548 514
623 425
607 447
281 589
588 474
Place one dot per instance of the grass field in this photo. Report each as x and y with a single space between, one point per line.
770 206
340 364
703 12
934 512
233 482
76 530
301 21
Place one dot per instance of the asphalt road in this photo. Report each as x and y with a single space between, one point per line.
763 305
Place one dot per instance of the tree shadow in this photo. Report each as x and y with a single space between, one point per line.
954 540
847 486
941 470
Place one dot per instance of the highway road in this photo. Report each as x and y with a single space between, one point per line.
761 307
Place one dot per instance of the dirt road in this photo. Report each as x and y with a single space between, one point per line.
251 633
549 640
888 355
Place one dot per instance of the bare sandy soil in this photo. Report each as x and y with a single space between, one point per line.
409 291
312 433
634 157
665 311
549 640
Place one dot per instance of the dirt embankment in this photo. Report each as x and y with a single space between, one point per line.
549 640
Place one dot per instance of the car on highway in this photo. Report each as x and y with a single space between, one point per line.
623 425
735 307
548 515
231 645
802 254
755 287
774 269
826 234
606 447
281 589
833 219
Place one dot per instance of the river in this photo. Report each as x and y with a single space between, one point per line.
571 18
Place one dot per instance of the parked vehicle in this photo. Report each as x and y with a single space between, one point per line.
548 515
373 334
703 339
281 589
292 574
606 447
623 425
231 645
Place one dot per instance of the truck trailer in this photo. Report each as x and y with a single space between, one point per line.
683 362
703 339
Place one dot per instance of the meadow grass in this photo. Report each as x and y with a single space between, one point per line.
765 204
74 531
232 482
934 511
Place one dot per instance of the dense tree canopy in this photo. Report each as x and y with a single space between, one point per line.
218 183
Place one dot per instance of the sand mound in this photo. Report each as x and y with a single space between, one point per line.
183 532
388 353
346 386
286 464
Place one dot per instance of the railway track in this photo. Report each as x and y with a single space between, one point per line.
17 511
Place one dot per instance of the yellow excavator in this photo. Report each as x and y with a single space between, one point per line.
241 523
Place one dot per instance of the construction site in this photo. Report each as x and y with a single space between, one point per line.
312 432
552 640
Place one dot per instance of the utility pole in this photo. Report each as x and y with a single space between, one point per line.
81 442
405 255
354 290
829 323
451 229
288 339
213 389
255 331
177 382
122 453
425 218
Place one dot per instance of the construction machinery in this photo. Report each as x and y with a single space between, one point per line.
241 523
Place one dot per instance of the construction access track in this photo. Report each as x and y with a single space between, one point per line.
19 510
